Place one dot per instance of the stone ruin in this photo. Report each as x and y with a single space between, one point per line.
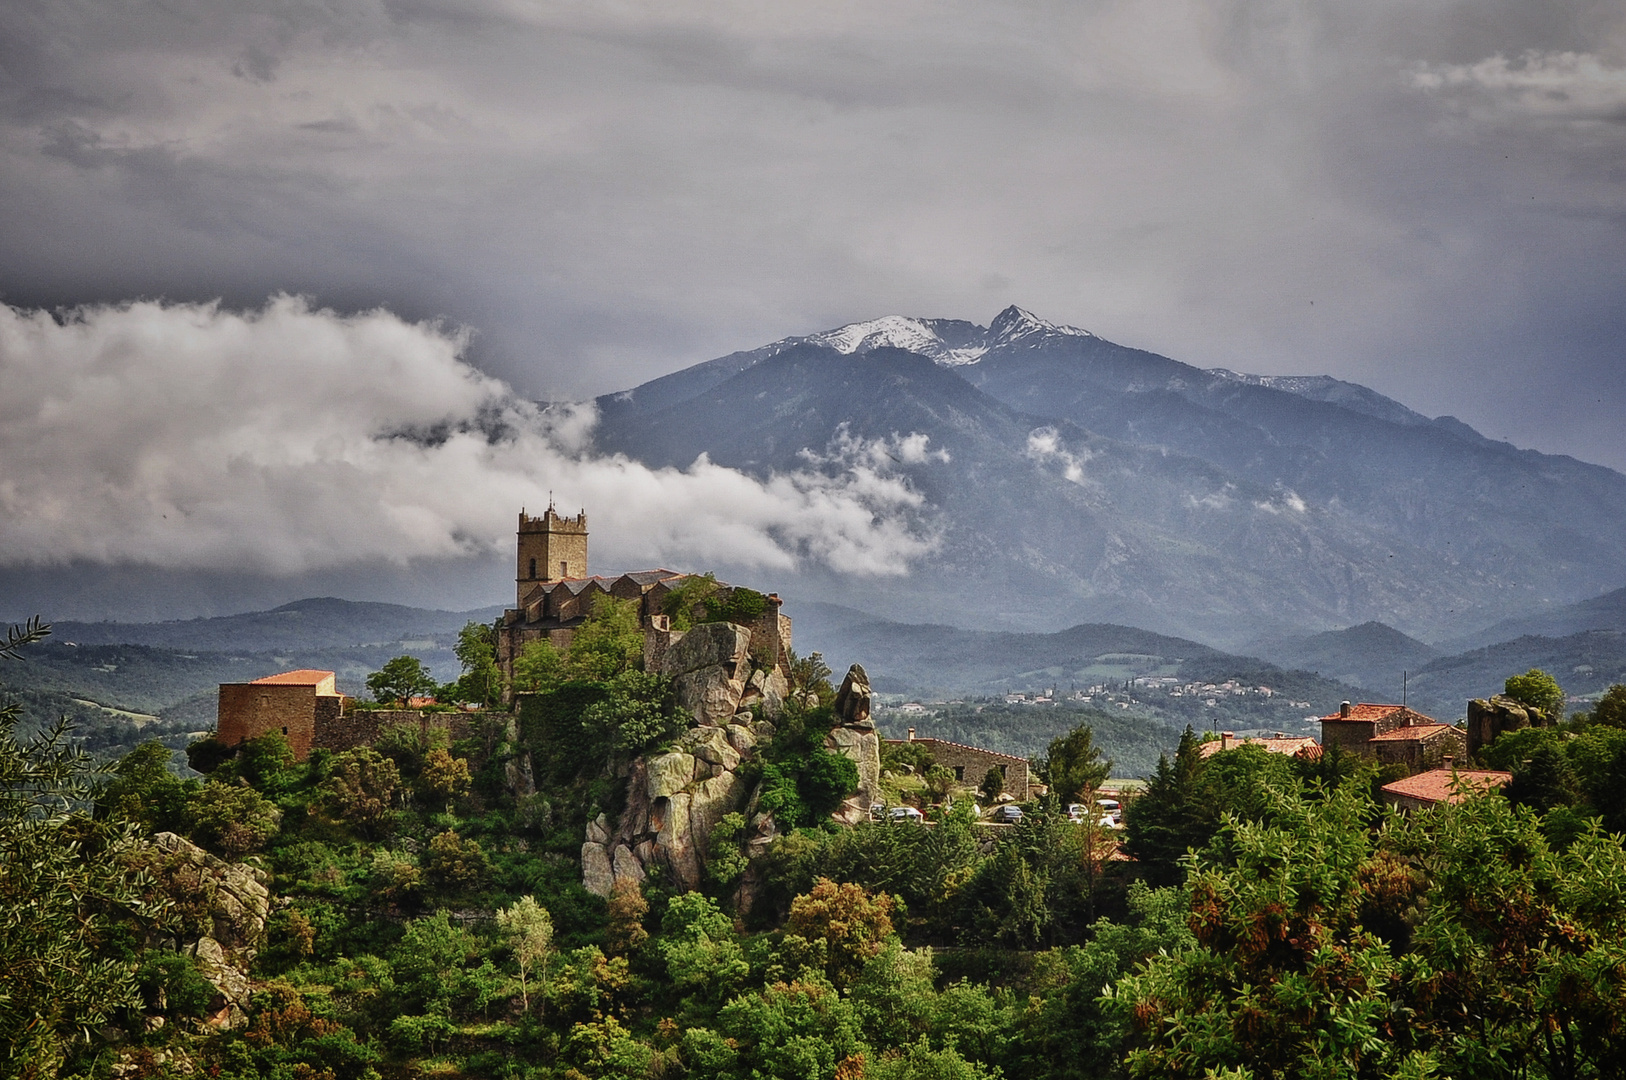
675 798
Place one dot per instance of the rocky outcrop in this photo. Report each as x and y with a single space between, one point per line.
1496 716
854 737
223 911
709 667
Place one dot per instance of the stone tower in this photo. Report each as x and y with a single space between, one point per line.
550 547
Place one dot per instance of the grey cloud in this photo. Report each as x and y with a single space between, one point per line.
607 192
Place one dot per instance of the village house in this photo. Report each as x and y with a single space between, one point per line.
1392 735
1278 743
971 763
1447 784
295 703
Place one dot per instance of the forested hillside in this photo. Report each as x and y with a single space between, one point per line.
416 908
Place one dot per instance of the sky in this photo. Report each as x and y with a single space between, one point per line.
350 217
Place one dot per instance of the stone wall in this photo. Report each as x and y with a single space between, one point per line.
971 763
362 727
1424 753
249 710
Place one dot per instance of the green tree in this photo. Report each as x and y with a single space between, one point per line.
538 669
66 881
232 820
455 863
850 925
1536 689
401 679
476 650
529 930
993 784
1074 766
1173 815
702 952
361 790
609 642
638 711
142 789
1611 708
444 778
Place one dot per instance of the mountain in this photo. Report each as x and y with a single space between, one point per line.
1155 677
304 625
1585 664
1606 612
1371 654
1072 479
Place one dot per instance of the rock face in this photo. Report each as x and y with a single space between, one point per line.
854 737
677 796
225 907
1489 718
710 666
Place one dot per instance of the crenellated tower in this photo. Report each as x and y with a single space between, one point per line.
550 548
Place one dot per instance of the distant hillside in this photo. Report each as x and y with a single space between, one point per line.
1606 612
318 623
1584 665
1118 668
1371 654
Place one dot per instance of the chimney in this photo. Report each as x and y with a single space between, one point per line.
1343 711
911 735
1449 762
1225 739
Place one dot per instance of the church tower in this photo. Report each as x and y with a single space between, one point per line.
550 547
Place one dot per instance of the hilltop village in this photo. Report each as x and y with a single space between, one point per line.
728 654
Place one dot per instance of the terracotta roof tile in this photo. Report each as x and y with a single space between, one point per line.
1366 712
1416 732
302 677
1282 745
1447 785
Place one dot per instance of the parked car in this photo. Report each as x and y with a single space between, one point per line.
905 813
1110 808
1007 813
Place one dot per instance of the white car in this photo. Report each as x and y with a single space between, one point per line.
905 813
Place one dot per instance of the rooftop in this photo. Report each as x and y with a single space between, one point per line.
1278 744
1366 712
302 677
1447 785
1415 731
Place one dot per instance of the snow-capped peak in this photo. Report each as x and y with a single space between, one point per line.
889 331
1013 324
964 343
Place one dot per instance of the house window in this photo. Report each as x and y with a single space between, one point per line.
959 772
533 569
285 729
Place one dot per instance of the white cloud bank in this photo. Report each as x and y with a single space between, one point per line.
292 439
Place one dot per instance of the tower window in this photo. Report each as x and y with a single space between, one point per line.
562 569
533 569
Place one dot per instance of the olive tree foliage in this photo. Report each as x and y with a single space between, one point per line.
360 792
528 929
65 878
1536 689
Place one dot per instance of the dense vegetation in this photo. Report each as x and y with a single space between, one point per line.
427 919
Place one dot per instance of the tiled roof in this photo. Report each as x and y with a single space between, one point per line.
1278 745
1417 732
962 746
1447 785
1365 712
302 677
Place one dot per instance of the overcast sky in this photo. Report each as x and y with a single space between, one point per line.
1427 196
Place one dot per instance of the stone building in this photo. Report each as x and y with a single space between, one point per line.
554 594
971 763
1288 745
1446 784
1392 735
296 703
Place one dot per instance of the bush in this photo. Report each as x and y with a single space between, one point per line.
232 820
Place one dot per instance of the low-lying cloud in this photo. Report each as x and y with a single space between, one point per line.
293 438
